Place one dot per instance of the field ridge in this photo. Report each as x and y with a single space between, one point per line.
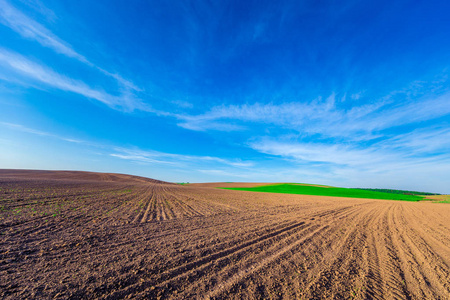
91 237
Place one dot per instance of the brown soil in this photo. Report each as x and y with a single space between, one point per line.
84 239
75 175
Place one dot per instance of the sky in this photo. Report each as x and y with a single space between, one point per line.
344 93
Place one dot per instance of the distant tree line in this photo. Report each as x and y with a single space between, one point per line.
391 191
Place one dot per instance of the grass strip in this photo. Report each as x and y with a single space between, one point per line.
288 188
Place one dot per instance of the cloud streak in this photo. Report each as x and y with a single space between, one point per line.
137 155
319 153
30 29
409 151
422 141
321 116
170 158
22 128
35 72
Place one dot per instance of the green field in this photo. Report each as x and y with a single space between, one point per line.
292 188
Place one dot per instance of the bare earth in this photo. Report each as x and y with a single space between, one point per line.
108 236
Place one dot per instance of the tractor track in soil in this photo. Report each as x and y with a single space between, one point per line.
83 235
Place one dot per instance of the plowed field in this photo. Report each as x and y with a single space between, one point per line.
107 236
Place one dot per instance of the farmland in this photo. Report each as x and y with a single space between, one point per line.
304 189
109 236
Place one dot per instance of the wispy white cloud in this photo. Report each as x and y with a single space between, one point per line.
408 151
319 153
141 158
40 8
322 117
183 104
317 116
410 112
170 158
137 155
30 29
127 84
269 113
202 125
421 141
25 129
227 174
22 128
27 69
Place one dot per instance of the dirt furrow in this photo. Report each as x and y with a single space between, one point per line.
374 277
394 278
147 239
143 205
226 285
185 269
424 267
246 259
342 257
150 207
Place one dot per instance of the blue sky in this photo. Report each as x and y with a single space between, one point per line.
346 93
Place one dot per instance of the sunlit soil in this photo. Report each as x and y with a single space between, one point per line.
82 235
